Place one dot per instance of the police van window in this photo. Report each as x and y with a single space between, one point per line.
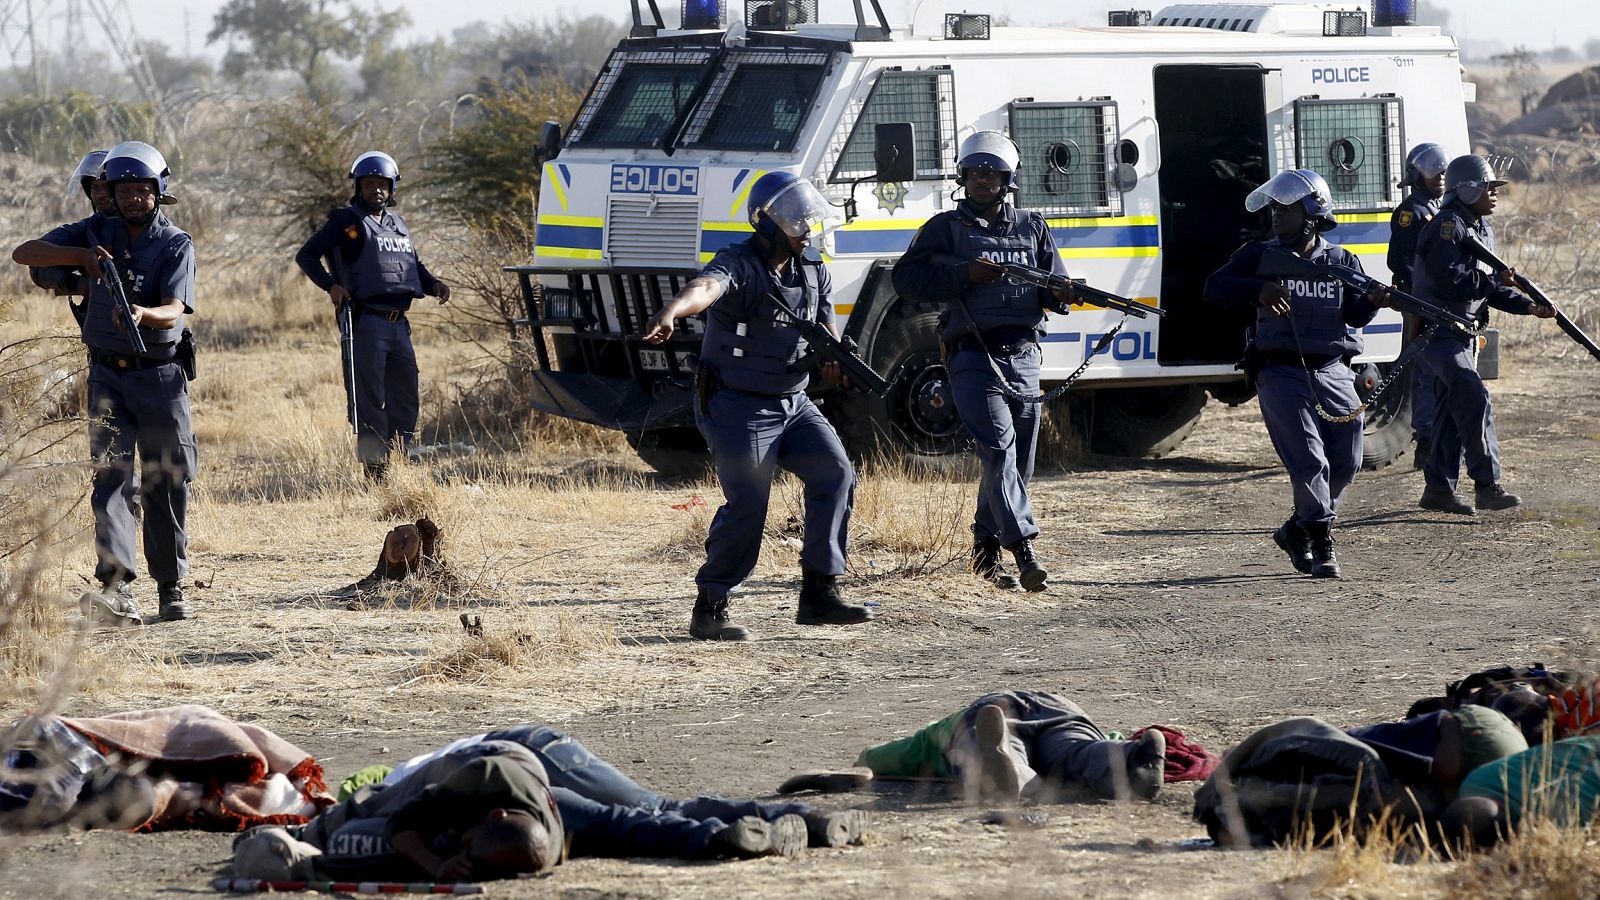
638 97
1356 145
759 100
926 99
1067 150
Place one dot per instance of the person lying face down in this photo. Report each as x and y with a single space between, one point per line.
1557 781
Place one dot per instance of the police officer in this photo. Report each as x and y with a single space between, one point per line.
1446 274
138 402
383 276
1305 335
990 329
1425 166
753 409
66 280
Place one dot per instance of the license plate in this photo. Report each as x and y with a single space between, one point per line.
654 360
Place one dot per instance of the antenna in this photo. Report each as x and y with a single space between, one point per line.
21 22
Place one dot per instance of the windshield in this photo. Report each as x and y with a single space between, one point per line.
758 101
646 101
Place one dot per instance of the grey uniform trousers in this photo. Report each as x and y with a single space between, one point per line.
144 411
1053 745
1463 425
1005 434
1321 457
751 436
387 399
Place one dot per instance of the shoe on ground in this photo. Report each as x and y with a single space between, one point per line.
997 775
1324 563
710 621
1147 764
833 782
985 563
820 603
750 837
1441 500
1493 496
175 605
1032 574
1293 541
113 606
836 829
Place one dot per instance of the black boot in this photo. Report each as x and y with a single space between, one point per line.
710 620
749 837
1324 564
1293 540
1492 496
985 563
174 605
820 603
1442 500
1146 764
1034 577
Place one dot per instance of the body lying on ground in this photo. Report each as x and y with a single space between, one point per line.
1557 782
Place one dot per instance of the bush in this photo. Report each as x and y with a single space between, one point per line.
53 128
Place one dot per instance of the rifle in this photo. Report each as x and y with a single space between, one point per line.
824 347
346 317
1084 292
1483 254
119 297
1282 264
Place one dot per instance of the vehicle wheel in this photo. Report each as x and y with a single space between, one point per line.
1386 432
679 452
1148 421
916 421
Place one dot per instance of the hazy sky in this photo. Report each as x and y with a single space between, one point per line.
1539 25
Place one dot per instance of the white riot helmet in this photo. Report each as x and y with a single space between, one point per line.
90 169
988 150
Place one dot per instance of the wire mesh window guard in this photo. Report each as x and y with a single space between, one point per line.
926 99
1067 158
638 96
1358 146
758 101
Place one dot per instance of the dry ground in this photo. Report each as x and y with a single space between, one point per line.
1170 605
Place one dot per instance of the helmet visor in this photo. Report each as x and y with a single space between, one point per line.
797 209
1430 163
1285 189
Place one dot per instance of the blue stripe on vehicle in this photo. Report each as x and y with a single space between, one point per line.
573 236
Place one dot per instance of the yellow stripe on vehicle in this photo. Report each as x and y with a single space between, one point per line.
1107 252
553 178
726 226
568 253
1354 218
577 221
1366 249
743 197
1104 221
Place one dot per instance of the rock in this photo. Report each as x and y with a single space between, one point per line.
1577 87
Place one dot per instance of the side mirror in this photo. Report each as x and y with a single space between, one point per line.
549 140
894 151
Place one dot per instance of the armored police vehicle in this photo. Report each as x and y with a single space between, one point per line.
1138 140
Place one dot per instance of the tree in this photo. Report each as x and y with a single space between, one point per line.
301 36
173 72
1523 77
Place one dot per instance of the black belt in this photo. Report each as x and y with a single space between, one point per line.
1012 347
392 315
126 363
1291 358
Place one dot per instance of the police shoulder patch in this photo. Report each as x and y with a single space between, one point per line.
1406 218
352 232
1448 229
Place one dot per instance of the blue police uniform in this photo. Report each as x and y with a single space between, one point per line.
1446 274
385 275
1317 337
1405 226
1010 316
139 403
759 418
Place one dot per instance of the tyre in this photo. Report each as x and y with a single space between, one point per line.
916 421
1146 421
1386 429
678 452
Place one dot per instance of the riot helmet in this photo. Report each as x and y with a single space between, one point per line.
989 150
785 201
1469 178
90 169
380 164
1302 186
1423 162
137 161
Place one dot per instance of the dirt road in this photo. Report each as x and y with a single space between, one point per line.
1170 605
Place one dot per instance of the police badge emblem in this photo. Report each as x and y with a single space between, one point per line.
1406 218
891 196
352 232
1448 230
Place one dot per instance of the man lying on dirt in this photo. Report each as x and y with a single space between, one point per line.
1304 773
602 812
1558 782
1011 745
